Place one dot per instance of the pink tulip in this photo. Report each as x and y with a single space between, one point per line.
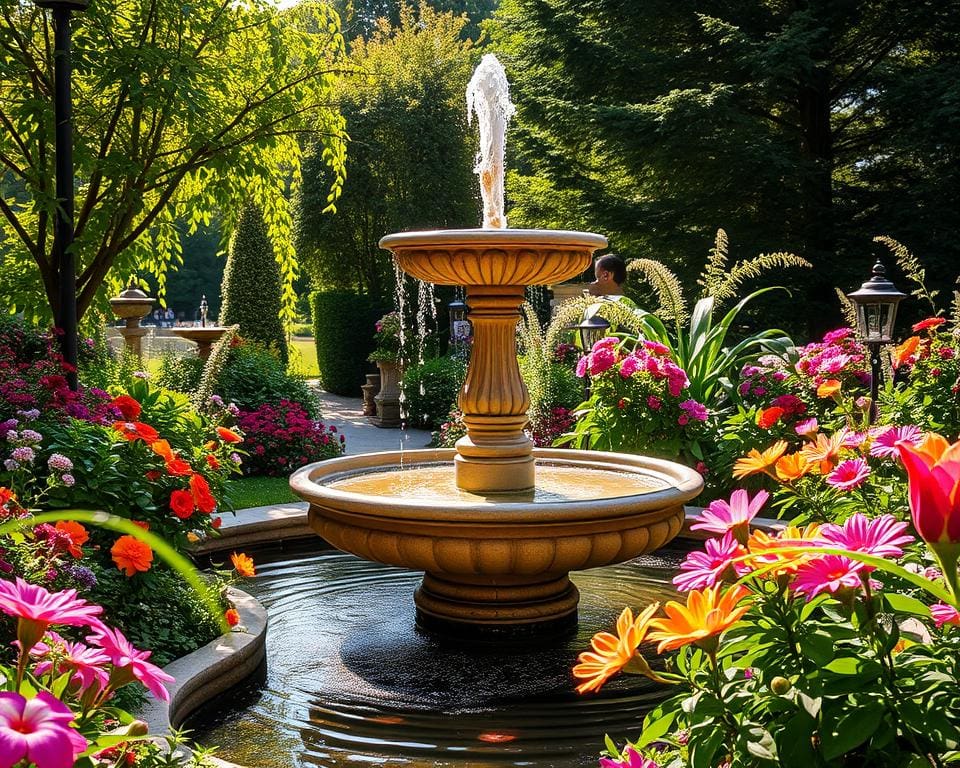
37 730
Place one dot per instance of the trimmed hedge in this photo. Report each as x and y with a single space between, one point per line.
251 283
431 389
343 333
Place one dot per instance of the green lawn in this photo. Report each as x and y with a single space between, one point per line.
260 491
303 356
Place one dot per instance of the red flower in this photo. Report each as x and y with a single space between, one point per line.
930 322
232 617
77 533
178 468
200 492
128 407
216 522
181 503
152 475
766 418
137 430
212 461
228 435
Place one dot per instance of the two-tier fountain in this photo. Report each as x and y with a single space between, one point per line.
495 524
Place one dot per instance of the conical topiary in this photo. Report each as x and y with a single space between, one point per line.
251 283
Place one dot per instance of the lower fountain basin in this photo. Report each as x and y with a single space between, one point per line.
500 563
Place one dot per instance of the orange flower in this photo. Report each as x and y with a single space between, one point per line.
792 467
756 462
767 417
228 435
212 461
192 537
232 617
162 449
611 653
766 549
829 388
200 491
137 430
825 450
902 353
705 616
128 407
131 555
176 467
77 533
6 495
244 564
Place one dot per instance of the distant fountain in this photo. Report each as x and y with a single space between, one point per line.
495 524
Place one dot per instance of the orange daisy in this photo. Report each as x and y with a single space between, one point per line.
706 615
131 555
757 462
825 450
611 653
244 564
829 388
792 466
766 549
902 353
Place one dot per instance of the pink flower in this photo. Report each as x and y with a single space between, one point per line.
704 569
829 573
944 614
582 367
838 335
695 410
654 402
630 365
656 348
734 515
37 609
87 664
849 474
881 536
807 427
126 658
601 360
630 759
38 730
791 404
608 343
885 443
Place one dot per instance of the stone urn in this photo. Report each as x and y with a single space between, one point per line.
370 390
388 398
132 305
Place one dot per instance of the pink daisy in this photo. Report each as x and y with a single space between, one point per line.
126 658
880 536
849 474
704 569
39 731
829 573
630 759
945 614
807 427
734 515
885 443
37 609
87 664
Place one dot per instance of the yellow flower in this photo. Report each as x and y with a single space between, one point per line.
767 550
756 462
611 653
706 615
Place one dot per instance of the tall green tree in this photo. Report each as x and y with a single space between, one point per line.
180 111
360 17
251 283
801 124
410 156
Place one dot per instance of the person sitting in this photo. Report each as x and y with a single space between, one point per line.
610 272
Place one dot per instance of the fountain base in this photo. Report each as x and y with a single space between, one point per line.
496 610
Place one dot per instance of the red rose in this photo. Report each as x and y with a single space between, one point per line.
128 407
181 503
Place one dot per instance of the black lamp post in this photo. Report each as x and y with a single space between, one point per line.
459 325
64 261
876 302
591 330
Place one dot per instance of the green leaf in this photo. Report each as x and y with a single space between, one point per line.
851 730
704 743
901 603
654 730
796 742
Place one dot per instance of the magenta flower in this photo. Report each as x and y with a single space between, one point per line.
130 663
38 730
630 759
885 443
944 614
607 342
37 609
880 536
807 427
87 664
829 573
734 515
654 402
849 474
656 348
704 569
601 360
582 367
630 365
695 410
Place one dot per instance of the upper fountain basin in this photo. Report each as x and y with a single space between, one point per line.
493 257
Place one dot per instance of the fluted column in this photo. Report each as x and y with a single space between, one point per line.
495 456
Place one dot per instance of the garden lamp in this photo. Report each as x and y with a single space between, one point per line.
591 330
876 302
459 325
63 255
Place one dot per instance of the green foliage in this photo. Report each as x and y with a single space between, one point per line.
213 367
430 390
180 372
254 376
410 155
361 17
343 331
174 121
814 124
251 284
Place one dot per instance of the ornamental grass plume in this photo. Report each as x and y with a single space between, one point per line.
613 653
707 614
131 555
38 731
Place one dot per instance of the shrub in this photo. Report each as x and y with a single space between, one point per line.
254 376
251 283
283 438
180 372
341 320
430 390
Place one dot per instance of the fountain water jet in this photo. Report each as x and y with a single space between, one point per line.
496 550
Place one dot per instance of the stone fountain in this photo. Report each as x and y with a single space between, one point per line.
495 524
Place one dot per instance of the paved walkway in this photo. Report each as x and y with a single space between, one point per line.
346 413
